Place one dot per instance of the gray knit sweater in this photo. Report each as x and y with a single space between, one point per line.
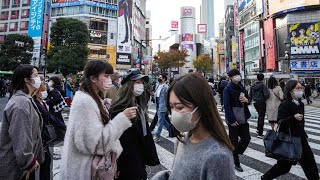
206 160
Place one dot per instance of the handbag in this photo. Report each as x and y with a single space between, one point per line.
59 107
52 135
104 167
282 146
239 115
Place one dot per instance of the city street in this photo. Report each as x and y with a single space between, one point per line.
253 161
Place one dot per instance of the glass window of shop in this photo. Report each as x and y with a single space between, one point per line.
99 25
98 37
251 42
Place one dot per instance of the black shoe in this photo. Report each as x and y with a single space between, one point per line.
238 168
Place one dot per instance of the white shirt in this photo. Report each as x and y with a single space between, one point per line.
159 90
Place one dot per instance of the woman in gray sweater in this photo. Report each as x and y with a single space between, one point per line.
204 151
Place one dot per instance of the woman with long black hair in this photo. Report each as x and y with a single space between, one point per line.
21 149
291 114
138 146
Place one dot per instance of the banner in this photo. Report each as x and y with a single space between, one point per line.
270 49
284 6
313 64
187 37
124 32
304 39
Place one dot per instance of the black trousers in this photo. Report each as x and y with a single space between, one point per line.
261 108
308 99
307 162
45 167
241 145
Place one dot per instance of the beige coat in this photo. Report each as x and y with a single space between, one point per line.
84 137
276 95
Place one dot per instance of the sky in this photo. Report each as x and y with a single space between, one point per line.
164 11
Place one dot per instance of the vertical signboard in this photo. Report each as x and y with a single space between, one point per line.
241 48
270 51
35 25
235 14
124 32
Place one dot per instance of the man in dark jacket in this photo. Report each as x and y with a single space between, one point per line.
259 93
308 93
236 98
222 84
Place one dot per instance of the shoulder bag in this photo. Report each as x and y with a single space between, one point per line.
59 107
104 167
282 146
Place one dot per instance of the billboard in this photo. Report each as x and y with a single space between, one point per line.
187 37
284 6
202 28
67 3
270 51
124 32
123 58
174 25
304 38
243 4
188 12
308 64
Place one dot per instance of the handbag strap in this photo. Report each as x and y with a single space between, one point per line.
279 124
275 94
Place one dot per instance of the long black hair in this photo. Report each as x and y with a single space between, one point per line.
188 92
272 83
93 69
17 82
290 85
56 82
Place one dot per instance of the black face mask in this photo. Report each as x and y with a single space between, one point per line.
160 80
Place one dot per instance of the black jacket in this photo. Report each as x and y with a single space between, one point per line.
307 91
138 150
259 92
54 98
286 112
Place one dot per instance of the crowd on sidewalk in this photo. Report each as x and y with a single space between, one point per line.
109 135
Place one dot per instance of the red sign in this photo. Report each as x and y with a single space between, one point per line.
174 24
202 28
269 44
241 42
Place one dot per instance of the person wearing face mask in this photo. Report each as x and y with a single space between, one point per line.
291 114
204 150
21 148
39 98
138 146
236 115
112 92
91 130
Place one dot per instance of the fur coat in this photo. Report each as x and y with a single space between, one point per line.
84 136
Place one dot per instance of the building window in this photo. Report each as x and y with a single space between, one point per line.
25 13
15 3
4 15
24 26
2 38
3 27
5 4
13 26
25 3
15 14
111 35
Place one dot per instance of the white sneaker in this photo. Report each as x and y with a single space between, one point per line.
157 139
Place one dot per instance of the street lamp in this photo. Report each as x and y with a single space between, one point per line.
287 43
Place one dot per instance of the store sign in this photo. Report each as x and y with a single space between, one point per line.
95 34
202 28
304 39
174 25
241 45
187 12
270 51
123 58
313 64
82 2
284 6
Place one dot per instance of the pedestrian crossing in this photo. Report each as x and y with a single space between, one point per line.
254 162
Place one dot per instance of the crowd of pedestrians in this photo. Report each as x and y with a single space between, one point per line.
109 135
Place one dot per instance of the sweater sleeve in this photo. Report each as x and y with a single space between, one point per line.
218 166
283 115
20 132
90 134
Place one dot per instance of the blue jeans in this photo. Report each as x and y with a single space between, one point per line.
161 121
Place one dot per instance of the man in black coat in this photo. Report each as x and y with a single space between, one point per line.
308 93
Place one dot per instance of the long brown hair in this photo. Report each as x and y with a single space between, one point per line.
193 88
93 69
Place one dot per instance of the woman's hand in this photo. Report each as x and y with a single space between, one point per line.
130 112
298 116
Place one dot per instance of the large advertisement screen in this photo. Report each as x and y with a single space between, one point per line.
304 38
124 32
283 6
243 4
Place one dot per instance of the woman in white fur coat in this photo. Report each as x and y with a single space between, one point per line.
89 121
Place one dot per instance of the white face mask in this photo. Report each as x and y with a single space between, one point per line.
107 84
236 78
298 94
50 84
182 121
44 94
37 82
138 89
